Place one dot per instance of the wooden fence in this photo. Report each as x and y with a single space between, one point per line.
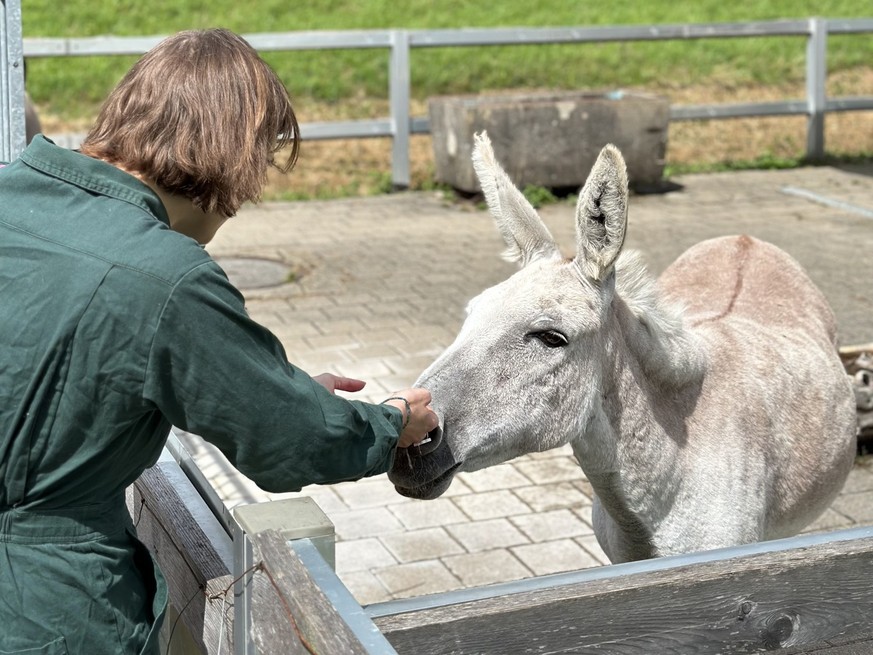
807 594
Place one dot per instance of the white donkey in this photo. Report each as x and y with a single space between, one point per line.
708 408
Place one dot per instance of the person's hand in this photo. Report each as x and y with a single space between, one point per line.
334 383
418 418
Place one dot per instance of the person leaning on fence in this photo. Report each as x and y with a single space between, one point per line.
116 324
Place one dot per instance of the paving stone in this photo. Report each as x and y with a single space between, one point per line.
457 488
365 587
590 544
418 579
376 491
362 555
555 495
430 543
549 526
316 363
490 505
554 557
312 302
585 487
551 470
373 352
561 451
428 514
409 364
829 520
502 476
382 322
331 341
328 326
294 331
858 507
860 479
585 513
363 523
363 370
487 535
490 567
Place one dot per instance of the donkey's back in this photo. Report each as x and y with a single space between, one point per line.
743 278
776 412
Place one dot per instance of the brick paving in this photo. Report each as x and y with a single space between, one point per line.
377 290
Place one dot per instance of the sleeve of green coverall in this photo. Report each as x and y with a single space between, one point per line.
216 373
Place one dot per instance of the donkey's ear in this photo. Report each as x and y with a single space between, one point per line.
525 234
601 214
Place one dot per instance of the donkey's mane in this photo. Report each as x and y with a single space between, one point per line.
658 336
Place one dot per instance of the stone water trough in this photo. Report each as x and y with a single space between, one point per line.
550 139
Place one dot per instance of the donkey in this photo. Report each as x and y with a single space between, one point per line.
708 408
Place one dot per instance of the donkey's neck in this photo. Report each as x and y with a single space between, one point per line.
649 331
632 450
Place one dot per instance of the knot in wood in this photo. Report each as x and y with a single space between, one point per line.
778 630
746 608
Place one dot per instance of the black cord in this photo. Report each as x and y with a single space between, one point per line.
182 611
139 514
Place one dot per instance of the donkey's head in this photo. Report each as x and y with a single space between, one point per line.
524 373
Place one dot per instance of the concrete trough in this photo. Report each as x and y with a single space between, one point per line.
550 139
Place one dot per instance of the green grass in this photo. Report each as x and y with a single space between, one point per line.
766 161
73 87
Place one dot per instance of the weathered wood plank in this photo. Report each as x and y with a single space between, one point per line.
195 567
795 598
289 607
851 646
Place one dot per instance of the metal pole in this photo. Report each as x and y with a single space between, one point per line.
243 557
816 73
12 121
398 89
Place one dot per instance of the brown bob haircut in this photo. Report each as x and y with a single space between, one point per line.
201 115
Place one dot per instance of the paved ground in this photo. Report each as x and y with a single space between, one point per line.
379 291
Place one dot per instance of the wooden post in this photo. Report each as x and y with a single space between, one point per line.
193 551
293 612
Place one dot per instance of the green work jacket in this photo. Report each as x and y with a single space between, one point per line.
112 328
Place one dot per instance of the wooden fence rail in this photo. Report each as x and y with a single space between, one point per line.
801 595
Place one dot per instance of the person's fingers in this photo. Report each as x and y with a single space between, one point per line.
348 384
422 419
333 382
326 380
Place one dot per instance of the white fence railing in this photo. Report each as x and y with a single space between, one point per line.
11 81
400 124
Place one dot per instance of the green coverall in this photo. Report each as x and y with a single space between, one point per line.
113 327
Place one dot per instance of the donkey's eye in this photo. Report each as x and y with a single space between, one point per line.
550 338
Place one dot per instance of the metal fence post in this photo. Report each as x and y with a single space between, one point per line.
242 603
12 123
816 74
398 89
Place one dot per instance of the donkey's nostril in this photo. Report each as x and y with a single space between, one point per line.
435 438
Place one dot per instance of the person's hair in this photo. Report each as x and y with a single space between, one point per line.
201 115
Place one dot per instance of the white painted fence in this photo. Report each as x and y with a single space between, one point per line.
400 124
